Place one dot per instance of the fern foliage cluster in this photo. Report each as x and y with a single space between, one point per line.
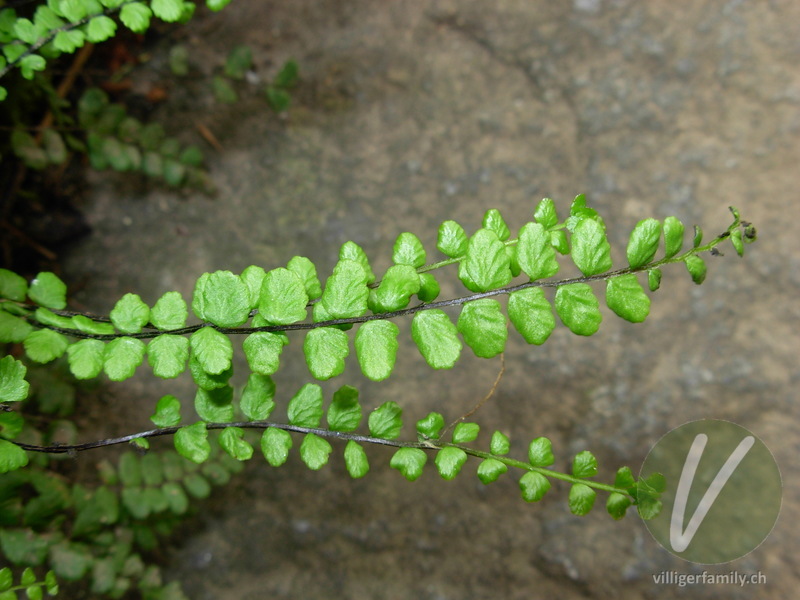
101 534
356 310
94 126
63 26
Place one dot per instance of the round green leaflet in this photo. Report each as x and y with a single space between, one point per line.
283 297
212 349
169 312
346 292
590 248
376 348
325 349
167 355
487 264
354 252
408 250
356 460
578 308
643 242
130 314
483 327
122 357
275 445
535 253
627 299
314 451
192 442
13 387
263 351
437 338
48 290
531 314
452 240
449 462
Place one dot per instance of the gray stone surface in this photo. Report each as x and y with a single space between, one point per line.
412 112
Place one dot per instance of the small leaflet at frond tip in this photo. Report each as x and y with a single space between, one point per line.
673 236
697 268
617 504
698 236
654 279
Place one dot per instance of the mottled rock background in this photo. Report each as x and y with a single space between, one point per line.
409 113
